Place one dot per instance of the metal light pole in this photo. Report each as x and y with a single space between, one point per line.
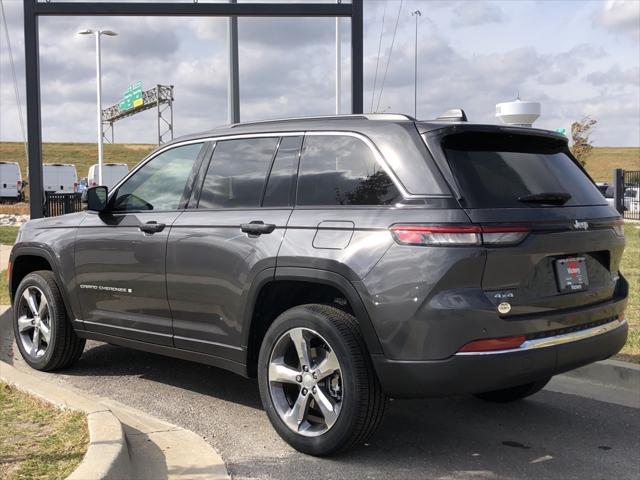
338 65
416 14
98 34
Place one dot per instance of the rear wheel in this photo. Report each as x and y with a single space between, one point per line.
316 380
514 393
43 332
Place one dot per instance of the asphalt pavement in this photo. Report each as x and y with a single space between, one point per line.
549 436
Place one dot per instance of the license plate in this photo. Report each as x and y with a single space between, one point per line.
572 274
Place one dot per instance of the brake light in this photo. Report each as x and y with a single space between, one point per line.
492 344
457 235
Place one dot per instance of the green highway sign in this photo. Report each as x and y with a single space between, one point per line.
132 97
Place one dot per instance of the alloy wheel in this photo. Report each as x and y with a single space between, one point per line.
305 382
34 322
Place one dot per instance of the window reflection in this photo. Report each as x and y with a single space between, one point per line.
342 170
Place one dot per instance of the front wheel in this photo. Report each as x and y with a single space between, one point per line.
42 328
316 381
514 393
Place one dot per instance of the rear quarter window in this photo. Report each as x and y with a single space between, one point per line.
498 170
342 170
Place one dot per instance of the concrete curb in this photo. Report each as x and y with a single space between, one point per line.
614 373
107 455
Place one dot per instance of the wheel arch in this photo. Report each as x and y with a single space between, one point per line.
26 260
287 283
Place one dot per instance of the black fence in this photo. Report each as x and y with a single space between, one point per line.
61 203
630 194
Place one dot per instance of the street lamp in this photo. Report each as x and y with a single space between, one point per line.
98 34
416 14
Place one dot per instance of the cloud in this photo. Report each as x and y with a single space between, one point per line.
615 76
622 16
287 67
475 13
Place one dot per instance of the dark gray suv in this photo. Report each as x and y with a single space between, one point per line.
341 260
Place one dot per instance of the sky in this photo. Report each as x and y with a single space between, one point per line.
576 57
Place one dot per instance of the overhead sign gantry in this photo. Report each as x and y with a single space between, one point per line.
135 100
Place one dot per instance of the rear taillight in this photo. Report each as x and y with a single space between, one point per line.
436 235
19 184
457 235
492 344
618 227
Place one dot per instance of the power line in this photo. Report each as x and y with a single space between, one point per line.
15 81
393 39
375 77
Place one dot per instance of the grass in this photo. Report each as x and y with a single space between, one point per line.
38 440
600 163
14 208
8 235
631 270
82 155
603 160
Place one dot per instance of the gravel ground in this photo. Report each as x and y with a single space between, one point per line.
550 436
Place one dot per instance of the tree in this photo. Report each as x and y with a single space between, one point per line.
580 134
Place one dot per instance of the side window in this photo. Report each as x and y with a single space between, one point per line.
281 184
160 183
237 173
342 170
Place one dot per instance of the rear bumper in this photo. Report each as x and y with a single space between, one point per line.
481 372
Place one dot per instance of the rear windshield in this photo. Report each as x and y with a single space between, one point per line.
503 171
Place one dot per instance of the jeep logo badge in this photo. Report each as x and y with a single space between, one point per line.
581 225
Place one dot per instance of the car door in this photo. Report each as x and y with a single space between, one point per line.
120 254
216 250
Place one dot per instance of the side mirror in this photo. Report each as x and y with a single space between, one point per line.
95 199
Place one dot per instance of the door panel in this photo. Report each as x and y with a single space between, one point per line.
120 255
211 265
121 275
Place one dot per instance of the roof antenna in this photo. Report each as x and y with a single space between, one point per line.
518 95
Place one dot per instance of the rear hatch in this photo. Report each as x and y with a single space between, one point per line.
567 242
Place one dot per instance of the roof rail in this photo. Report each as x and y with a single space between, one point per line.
361 116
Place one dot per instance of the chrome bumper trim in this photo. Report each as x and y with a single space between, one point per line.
556 340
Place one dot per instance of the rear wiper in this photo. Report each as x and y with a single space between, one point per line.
549 198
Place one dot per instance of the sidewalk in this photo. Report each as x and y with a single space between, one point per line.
5 250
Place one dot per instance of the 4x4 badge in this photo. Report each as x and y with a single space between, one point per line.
581 225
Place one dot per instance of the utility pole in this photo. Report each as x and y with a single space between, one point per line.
416 14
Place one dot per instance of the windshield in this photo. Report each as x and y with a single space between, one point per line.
497 170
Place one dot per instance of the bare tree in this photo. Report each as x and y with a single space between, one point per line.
580 134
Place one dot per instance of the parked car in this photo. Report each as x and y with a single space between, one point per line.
11 187
342 261
632 198
112 173
59 177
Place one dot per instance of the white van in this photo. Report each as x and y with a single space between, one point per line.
112 173
10 182
59 177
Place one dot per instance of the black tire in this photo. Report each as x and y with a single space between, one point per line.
514 393
363 402
64 347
